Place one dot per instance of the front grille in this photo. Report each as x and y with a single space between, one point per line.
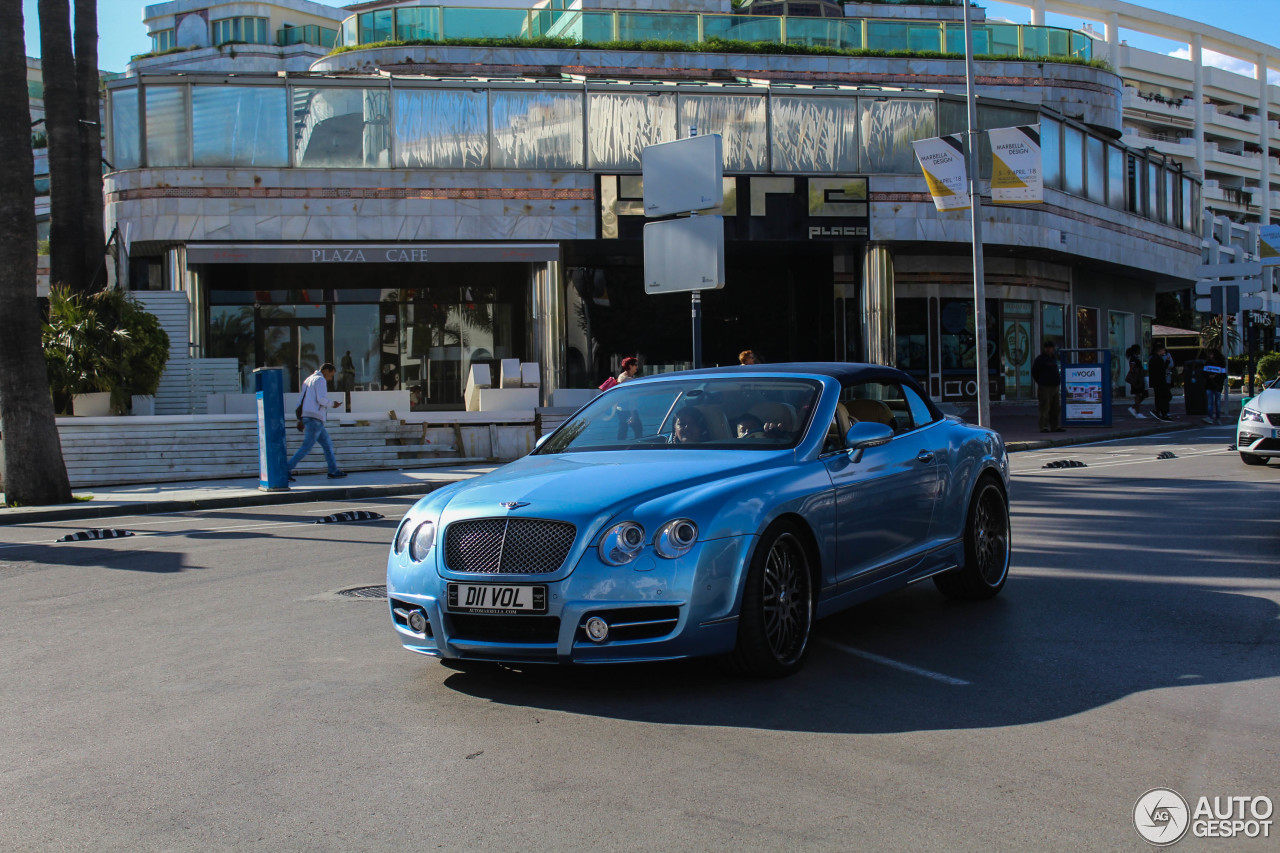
519 546
505 629
1267 444
1274 419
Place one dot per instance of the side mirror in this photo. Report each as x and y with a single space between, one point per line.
542 438
866 434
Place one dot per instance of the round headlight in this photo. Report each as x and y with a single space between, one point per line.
423 537
675 538
402 535
622 543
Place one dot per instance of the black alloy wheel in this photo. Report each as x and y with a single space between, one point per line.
986 547
777 606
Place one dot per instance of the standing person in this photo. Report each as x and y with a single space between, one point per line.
746 357
1048 378
1137 380
348 373
628 418
1160 373
315 408
1215 378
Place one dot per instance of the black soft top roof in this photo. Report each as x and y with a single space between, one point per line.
841 371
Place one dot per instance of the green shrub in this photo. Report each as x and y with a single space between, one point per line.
711 45
102 342
1269 366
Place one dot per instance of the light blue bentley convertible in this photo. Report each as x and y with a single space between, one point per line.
711 512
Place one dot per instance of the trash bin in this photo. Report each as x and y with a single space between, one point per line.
1194 388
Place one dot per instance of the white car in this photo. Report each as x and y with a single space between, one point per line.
1258 432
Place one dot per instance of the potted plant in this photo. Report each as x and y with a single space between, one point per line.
102 344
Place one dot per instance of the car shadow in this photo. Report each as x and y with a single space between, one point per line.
1103 607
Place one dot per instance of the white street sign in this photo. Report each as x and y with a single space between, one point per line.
1247 286
684 254
1247 303
683 176
1243 269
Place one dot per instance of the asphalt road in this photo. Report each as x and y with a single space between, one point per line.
199 686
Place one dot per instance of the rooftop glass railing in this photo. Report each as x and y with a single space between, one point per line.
441 23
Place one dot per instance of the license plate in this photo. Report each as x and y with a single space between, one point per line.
1275 433
497 598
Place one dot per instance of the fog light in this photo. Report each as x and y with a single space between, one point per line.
418 621
597 629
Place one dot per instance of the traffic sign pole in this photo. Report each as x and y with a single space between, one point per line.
696 301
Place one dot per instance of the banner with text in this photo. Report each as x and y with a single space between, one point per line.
942 161
1269 245
1016 175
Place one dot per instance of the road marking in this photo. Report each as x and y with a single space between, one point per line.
890 662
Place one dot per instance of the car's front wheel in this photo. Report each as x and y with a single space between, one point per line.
986 547
1254 459
777 606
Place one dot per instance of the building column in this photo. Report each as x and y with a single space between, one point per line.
878 334
1037 13
547 311
1113 33
1264 140
1197 97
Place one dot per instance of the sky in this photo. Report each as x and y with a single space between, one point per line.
122 34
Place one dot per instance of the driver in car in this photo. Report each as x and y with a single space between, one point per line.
690 427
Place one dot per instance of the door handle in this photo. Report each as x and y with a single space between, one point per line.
925 457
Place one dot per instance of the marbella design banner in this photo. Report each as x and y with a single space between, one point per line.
1269 245
1016 175
942 161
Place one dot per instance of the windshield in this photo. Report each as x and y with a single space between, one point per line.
721 414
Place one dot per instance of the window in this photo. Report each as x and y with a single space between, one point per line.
877 402
921 414
1188 222
1050 151
1115 177
1073 160
246 30
1096 172
1134 183
1087 333
1153 191
162 40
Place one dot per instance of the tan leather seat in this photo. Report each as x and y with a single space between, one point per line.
717 423
870 410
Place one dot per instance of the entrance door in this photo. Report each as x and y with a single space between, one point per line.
1015 348
299 345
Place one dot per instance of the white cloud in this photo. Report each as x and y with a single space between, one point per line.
1227 63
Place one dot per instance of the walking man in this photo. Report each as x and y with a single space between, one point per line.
315 408
1045 373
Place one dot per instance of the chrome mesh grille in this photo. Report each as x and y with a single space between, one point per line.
518 546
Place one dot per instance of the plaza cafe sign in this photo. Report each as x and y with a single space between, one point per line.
372 253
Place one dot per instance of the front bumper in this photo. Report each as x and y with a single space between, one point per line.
1259 439
657 609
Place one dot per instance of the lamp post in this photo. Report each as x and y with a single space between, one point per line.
979 280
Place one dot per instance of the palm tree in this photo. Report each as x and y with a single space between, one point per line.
87 82
31 466
62 121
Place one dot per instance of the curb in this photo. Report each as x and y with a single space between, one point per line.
1137 432
72 513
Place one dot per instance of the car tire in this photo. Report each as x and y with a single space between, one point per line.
1254 459
777 606
986 547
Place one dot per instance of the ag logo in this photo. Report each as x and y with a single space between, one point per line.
1161 816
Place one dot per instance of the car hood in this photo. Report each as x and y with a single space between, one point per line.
582 487
1268 401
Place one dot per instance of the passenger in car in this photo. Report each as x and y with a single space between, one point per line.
750 426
